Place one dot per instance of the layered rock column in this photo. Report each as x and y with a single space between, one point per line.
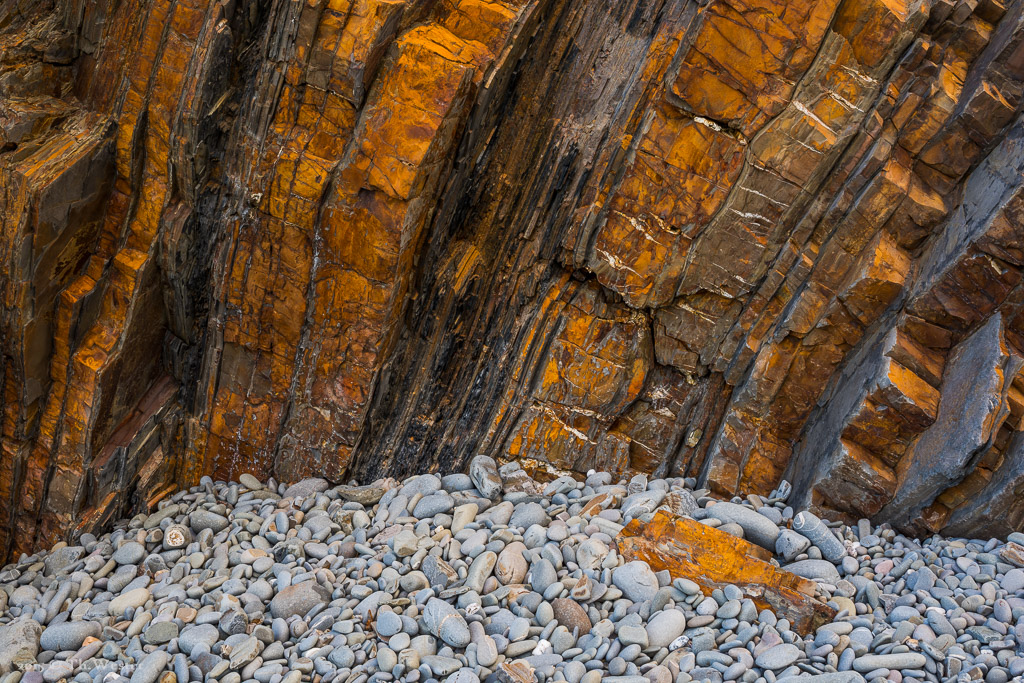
739 241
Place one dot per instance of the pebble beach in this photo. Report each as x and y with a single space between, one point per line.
492 576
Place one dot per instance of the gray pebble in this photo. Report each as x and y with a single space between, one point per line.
756 528
150 668
130 553
636 581
68 635
778 657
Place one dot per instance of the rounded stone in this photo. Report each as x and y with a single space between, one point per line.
306 488
480 570
23 596
206 634
298 599
528 514
68 636
820 535
250 482
664 627
511 566
904 660
636 581
149 669
570 614
244 651
633 635
386 658
388 623
590 554
433 504
445 623
778 657
814 569
542 574
137 597
574 671
160 632
204 519
62 558
130 553
756 528
789 544
177 536
57 670
1013 581
19 641
729 610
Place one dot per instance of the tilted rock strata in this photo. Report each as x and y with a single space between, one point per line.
735 240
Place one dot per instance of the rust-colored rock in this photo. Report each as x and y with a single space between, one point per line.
739 240
569 614
713 559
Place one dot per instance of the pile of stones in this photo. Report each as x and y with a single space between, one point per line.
491 576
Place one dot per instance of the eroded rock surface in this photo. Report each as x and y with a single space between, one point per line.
738 241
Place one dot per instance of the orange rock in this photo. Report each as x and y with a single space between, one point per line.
856 483
872 26
713 559
683 170
685 329
741 66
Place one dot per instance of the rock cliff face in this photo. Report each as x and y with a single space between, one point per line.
740 240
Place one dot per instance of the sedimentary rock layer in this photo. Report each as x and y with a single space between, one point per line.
740 240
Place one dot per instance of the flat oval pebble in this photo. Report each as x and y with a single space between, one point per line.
664 627
160 633
636 581
131 599
250 482
756 528
445 623
433 504
130 553
835 677
298 599
194 635
778 657
60 637
905 660
814 569
148 670
204 519
388 623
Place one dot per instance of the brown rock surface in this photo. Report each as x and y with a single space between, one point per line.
738 240
712 559
570 614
